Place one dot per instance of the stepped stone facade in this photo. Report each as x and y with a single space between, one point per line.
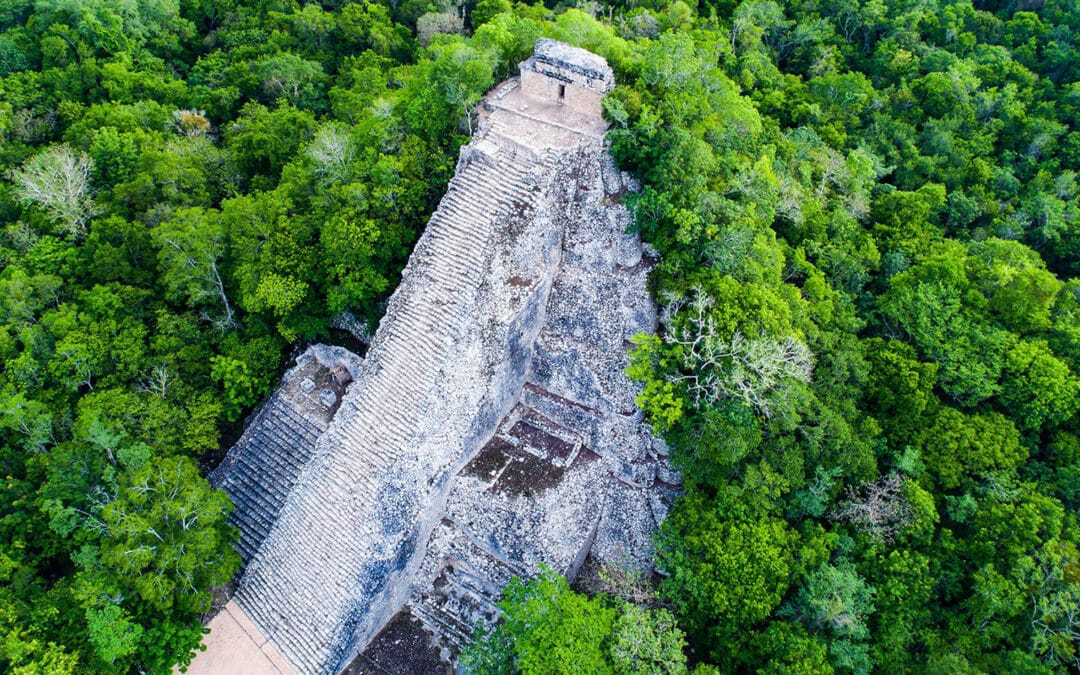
491 427
260 470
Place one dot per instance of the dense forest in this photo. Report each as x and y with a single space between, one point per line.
868 222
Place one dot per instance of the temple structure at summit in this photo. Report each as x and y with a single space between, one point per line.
386 501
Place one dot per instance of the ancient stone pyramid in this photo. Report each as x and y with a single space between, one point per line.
491 427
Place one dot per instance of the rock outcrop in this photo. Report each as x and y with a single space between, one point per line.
491 427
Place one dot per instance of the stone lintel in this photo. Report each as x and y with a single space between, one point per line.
572 64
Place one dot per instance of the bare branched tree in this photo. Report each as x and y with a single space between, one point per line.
626 583
332 151
202 264
157 381
431 24
753 370
82 365
58 182
21 235
31 419
192 246
878 508
1055 607
30 127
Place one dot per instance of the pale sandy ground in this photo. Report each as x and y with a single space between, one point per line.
236 647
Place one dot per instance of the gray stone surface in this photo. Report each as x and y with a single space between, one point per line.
490 428
571 470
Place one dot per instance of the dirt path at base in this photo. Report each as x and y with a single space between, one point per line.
236 647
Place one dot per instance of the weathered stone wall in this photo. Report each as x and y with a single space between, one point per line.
565 75
542 86
571 472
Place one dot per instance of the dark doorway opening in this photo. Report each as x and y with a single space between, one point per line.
562 91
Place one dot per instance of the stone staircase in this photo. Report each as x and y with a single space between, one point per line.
543 437
468 583
320 568
263 467
576 418
429 313
544 132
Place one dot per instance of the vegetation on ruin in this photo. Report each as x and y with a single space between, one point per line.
548 628
868 220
